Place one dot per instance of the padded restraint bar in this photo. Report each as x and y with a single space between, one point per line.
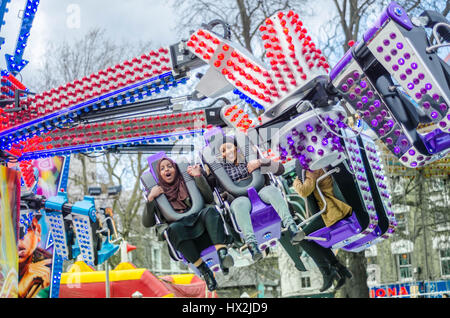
212 157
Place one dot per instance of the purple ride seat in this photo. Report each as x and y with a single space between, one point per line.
368 238
338 232
209 254
210 257
265 220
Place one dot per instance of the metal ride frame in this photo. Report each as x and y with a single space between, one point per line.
392 79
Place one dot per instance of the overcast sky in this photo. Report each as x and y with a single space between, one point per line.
132 20
57 20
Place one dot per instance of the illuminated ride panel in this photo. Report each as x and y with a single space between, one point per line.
389 49
394 51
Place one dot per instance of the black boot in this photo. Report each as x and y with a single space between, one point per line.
329 274
254 251
208 276
342 270
340 282
226 261
343 273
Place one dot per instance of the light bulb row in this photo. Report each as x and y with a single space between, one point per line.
97 134
399 57
292 56
361 180
377 171
28 131
115 82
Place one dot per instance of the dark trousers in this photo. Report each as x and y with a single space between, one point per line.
213 234
323 257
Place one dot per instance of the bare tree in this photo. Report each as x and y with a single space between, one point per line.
70 60
127 206
243 16
67 61
424 203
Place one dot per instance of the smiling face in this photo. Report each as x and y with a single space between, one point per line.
167 171
229 152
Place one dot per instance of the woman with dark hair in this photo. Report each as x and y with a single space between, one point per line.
193 233
336 210
238 169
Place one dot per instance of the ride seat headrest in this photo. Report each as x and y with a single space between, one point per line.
150 179
213 158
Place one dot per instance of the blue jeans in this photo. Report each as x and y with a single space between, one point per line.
241 208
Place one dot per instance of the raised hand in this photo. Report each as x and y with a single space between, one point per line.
194 171
37 272
154 193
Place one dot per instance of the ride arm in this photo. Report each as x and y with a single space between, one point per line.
432 18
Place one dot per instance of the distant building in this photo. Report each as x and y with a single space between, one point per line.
301 284
417 257
248 279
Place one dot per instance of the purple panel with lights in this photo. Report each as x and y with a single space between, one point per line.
399 51
265 220
349 230
312 138
362 96
394 48
381 190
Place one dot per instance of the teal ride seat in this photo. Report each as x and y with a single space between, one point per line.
108 249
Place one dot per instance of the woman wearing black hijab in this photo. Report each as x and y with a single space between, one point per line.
193 233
